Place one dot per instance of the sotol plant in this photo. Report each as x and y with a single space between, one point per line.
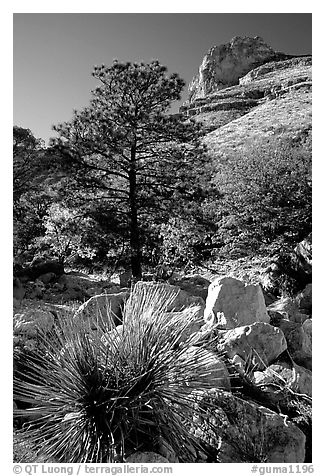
98 396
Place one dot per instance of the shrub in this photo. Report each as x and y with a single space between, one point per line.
98 396
64 232
266 196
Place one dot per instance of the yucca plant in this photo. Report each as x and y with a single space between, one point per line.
98 396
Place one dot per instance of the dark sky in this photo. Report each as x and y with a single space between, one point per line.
54 53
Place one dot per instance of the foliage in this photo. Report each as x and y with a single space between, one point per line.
184 241
125 151
29 213
36 186
123 391
64 233
30 199
266 197
27 154
143 189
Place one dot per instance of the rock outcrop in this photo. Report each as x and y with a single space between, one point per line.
246 91
225 64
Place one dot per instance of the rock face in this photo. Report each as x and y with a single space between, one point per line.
225 64
231 303
270 67
246 92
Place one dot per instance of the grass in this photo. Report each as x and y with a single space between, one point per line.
288 114
100 396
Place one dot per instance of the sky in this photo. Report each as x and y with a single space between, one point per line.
54 53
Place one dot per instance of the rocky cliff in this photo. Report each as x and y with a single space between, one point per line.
246 91
225 64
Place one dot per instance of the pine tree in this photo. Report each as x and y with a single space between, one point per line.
128 154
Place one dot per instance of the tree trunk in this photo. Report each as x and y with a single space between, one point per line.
135 245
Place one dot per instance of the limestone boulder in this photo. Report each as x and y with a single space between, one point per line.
248 433
307 327
232 303
303 253
260 344
299 341
294 377
105 309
